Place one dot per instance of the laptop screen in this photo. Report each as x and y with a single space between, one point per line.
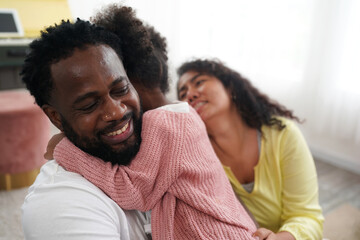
10 25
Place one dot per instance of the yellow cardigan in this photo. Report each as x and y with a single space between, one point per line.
285 194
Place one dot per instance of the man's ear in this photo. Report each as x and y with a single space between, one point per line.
53 115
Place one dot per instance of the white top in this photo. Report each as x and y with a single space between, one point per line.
64 205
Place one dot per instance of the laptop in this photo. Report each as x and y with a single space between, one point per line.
10 25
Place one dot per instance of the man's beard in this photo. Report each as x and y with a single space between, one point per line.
103 151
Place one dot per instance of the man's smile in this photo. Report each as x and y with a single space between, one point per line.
118 131
120 135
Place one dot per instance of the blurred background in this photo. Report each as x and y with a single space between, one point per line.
303 53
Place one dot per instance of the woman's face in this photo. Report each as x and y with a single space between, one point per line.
205 93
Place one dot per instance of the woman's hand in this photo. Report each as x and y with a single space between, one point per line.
52 144
266 234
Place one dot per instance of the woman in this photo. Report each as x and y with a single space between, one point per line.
262 151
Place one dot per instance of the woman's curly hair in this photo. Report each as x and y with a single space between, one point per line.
144 49
254 107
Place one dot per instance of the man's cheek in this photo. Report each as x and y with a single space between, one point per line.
84 127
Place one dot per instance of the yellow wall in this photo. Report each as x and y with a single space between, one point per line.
36 15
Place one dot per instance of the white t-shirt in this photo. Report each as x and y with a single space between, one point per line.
64 205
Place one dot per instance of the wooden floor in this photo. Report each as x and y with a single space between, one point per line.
337 187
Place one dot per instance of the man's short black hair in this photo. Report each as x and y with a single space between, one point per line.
56 43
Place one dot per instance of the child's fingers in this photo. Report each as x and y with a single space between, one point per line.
263 233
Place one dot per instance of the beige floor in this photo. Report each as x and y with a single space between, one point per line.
339 192
10 214
343 223
337 187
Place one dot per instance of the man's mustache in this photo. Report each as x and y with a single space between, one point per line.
115 123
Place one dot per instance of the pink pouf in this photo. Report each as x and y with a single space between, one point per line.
24 133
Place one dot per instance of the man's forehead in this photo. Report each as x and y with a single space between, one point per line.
83 63
86 67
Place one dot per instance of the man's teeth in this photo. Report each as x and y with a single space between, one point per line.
118 131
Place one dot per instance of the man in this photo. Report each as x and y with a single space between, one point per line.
144 56
78 79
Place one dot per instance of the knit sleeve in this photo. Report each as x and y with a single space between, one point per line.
154 169
301 214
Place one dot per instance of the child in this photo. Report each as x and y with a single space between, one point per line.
176 174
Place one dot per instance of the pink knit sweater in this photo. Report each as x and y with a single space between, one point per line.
176 174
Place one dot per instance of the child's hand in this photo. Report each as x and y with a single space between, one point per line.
52 144
266 234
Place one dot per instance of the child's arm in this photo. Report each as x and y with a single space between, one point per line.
49 154
143 183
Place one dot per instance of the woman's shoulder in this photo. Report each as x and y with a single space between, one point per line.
273 132
286 122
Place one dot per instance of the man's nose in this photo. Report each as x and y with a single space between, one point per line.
113 110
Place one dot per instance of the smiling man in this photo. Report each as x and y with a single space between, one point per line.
95 105
77 77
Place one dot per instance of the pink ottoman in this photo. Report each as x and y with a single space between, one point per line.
24 133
